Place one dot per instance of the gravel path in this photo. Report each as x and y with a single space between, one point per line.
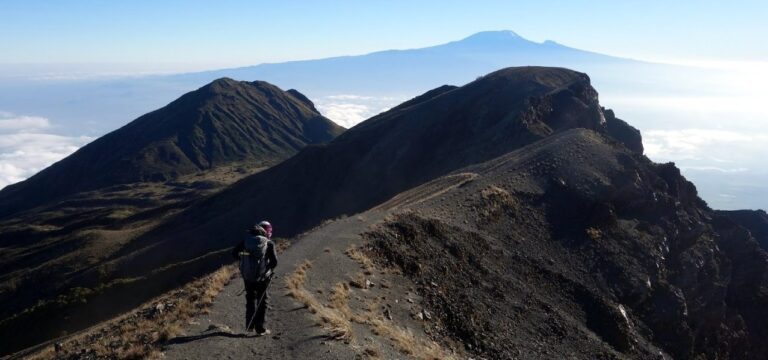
295 335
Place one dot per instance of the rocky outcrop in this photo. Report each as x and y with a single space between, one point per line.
623 132
583 235
756 221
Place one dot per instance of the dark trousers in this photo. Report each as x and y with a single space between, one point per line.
255 291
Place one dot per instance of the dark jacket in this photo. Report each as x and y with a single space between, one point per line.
271 255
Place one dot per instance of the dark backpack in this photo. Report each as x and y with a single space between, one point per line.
253 258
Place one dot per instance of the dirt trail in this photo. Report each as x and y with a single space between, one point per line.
295 331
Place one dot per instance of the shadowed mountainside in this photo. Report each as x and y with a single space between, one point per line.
573 246
223 122
85 208
756 221
429 136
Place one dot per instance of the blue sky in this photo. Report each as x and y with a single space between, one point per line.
142 34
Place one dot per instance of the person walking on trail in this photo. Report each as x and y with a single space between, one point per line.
256 253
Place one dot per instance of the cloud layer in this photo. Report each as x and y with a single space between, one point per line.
710 146
348 110
25 147
22 123
727 167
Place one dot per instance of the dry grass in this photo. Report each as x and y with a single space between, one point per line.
44 354
359 256
495 192
137 351
295 281
281 245
594 234
359 281
139 335
334 320
339 300
337 316
402 339
340 297
405 341
497 201
169 331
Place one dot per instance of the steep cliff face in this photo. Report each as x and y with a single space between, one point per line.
756 221
623 132
573 236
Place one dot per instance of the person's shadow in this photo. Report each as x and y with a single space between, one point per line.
186 339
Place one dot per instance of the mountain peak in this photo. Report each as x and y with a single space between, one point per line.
493 36
222 83
223 122
225 84
553 77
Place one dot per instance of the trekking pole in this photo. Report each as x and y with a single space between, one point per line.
256 310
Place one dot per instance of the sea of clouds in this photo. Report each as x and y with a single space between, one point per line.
349 110
28 144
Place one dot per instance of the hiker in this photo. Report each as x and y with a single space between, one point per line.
256 253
